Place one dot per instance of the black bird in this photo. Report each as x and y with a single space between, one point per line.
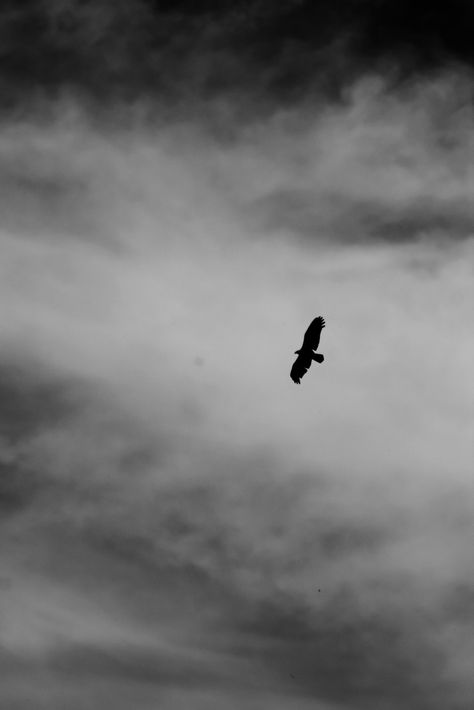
306 353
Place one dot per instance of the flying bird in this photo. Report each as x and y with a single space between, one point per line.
306 353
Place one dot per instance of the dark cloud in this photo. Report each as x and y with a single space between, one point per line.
355 221
31 205
254 51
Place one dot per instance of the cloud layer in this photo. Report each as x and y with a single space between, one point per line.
181 524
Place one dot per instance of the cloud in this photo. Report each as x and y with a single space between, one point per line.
168 526
188 55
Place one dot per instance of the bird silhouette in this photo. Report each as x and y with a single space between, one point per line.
306 353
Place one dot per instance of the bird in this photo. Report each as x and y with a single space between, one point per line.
306 353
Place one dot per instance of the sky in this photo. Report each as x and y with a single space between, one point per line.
183 188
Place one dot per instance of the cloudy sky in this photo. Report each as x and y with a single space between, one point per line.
183 187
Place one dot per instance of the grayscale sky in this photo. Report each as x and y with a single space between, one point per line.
181 191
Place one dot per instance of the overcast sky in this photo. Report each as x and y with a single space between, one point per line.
181 191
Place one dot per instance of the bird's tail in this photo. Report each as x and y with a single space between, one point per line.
318 357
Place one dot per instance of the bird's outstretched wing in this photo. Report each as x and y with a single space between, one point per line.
313 334
300 368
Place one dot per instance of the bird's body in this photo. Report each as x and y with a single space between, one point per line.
306 354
